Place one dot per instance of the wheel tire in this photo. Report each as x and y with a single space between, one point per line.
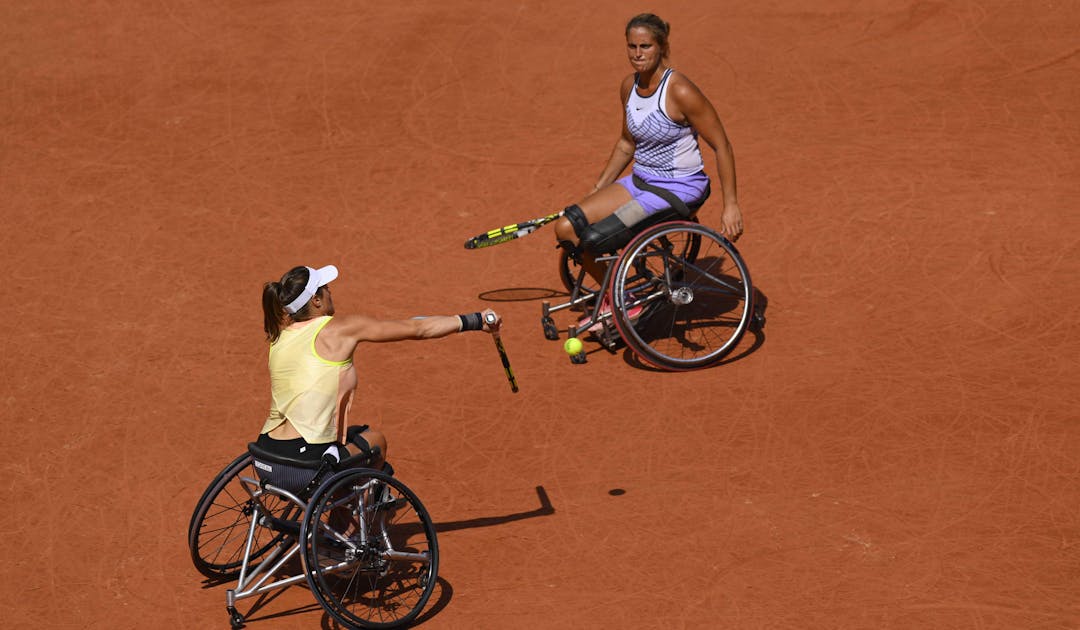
219 524
384 571
697 294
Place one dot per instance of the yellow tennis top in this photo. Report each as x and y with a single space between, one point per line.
314 394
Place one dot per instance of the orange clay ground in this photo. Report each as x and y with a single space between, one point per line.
900 448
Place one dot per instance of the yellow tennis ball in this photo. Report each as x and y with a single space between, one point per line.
572 346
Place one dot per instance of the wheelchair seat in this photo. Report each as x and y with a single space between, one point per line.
301 476
259 453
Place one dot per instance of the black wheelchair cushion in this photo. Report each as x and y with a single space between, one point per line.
274 458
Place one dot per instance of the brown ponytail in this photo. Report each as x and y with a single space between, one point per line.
276 295
273 311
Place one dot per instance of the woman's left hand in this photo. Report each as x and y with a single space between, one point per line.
731 223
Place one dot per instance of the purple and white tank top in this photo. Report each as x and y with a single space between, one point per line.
663 147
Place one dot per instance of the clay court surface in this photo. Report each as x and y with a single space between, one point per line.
898 449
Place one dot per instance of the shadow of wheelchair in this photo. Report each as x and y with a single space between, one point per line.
444 592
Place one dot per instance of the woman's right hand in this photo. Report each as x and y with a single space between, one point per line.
491 320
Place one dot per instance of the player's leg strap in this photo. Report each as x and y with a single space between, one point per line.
571 248
354 437
676 204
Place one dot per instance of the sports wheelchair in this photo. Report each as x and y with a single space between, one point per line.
675 291
360 539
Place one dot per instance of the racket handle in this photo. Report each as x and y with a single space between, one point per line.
506 364
490 319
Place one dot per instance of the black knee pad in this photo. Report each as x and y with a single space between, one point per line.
605 236
576 216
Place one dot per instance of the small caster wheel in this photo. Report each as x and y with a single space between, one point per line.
609 338
236 620
550 331
579 358
757 321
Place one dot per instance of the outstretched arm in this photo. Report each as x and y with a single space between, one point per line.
363 328
341 336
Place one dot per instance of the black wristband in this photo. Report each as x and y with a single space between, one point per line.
472 321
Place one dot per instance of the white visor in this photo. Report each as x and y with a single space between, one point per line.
316 278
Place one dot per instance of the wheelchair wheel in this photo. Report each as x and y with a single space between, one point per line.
219 525
370 552
693 309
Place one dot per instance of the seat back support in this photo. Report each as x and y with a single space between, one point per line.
352 461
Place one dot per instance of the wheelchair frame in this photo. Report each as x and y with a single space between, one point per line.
359 539
658 271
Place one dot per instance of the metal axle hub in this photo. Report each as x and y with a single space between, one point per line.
682 296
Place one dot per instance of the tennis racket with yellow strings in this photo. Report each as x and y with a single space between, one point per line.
509 232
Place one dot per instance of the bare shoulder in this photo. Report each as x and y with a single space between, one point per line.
687 104
681 87
351 326
625 87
